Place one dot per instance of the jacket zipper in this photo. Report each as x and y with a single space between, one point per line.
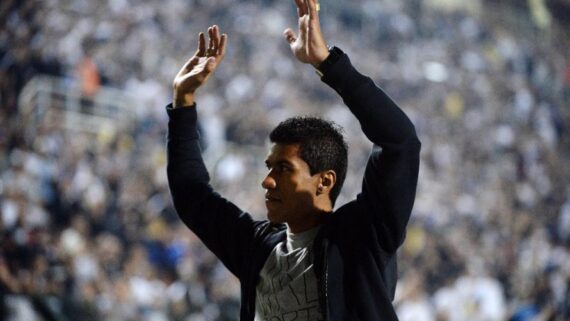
324 284
325 310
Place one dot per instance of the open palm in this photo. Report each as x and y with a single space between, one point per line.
200 67
309 46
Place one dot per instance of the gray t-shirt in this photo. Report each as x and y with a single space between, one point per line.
287 288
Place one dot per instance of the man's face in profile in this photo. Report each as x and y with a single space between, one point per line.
291 190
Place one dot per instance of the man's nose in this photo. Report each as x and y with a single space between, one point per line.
268 182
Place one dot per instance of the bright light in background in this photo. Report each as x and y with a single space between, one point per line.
435 71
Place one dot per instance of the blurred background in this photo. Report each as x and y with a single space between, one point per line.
87 227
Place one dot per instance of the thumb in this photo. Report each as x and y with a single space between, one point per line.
289 35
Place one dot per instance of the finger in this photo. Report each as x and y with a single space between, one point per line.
201 45
305 7
303 24
211 36
312 7
289 35
301 7
222 49
216 38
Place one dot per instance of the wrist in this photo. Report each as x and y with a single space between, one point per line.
320 57
334 54
184 100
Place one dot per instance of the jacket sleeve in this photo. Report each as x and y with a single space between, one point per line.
390 179
223 227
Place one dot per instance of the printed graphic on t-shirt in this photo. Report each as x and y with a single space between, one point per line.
287 290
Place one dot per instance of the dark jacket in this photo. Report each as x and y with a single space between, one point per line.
355 250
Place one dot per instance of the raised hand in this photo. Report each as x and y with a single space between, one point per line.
309 46
198 69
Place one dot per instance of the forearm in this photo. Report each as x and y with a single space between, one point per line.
382 121
224 228
390 179
185 166
182 99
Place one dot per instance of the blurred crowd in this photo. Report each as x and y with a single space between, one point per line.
87 228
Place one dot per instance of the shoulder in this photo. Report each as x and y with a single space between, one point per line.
266 237
268 234
350 218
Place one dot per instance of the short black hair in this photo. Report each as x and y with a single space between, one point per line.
321 145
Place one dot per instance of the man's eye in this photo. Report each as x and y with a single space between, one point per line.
278 168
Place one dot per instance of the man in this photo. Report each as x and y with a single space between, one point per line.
323 264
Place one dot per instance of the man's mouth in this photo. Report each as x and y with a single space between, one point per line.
271 198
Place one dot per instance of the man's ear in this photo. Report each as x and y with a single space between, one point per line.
327 180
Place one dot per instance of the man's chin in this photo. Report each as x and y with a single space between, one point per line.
274 218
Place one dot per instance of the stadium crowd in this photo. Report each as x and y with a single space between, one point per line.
87 229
